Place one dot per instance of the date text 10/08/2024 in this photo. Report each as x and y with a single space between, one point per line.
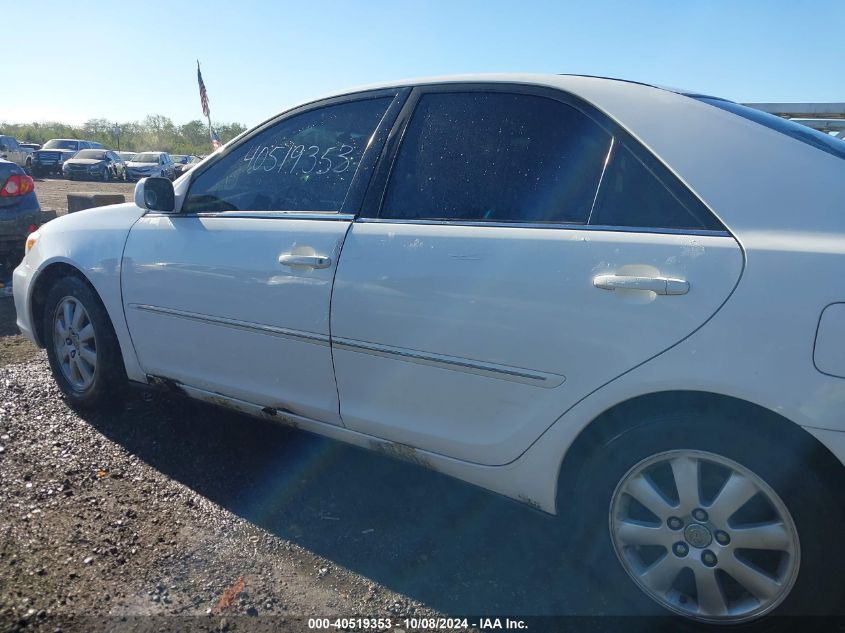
411 624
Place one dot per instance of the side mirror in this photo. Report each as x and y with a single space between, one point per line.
155 194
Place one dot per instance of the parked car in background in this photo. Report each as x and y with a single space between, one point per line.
126 156
145 164
617 303
20 213
99 164
52 156
182 167
16 153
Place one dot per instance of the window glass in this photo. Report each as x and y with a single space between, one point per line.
303 163
632 195
497 157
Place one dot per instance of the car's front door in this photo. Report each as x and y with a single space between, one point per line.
231 295
523 252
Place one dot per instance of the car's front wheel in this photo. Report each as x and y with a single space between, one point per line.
82 347
714 521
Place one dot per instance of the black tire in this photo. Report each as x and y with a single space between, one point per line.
106 175
107 389
812 500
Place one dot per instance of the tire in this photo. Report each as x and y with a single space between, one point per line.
106 175
37 173
28 167
801 508
91 384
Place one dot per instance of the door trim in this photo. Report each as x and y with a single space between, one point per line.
532 377
259 328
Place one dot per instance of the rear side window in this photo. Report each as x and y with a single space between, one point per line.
632 195
305 162
496 157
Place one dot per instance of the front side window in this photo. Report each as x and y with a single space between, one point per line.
305 162
496 157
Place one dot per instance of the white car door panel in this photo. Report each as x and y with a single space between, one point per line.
471 341
209 304
494 283
230 295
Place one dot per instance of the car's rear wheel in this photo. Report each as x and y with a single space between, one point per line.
713 521
106 175
82 347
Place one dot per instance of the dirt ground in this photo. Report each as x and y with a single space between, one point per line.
169 515
52 193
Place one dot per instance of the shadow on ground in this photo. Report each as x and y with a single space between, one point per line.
452 546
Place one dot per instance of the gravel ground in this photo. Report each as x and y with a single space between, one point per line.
172 508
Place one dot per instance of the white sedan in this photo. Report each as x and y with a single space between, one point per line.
617 303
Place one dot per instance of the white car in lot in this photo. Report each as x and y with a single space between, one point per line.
619 304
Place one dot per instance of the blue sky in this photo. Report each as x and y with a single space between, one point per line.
259 58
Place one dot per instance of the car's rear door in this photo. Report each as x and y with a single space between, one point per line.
231 295
523 252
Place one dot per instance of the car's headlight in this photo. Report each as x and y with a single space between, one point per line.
31 239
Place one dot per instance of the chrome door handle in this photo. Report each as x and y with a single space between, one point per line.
658 285
313 261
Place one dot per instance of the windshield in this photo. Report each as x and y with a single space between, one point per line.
91 153
61 144
179 158
145 158
808 135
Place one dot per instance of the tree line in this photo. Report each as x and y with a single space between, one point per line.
154 133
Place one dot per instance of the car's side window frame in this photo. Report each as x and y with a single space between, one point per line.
376 194
360 181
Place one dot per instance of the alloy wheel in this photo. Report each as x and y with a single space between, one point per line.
704 536
75 344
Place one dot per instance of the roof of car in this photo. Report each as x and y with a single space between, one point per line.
562 80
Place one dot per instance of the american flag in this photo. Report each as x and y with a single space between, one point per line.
215 140
203 93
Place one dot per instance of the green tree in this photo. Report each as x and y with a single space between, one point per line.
154 133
